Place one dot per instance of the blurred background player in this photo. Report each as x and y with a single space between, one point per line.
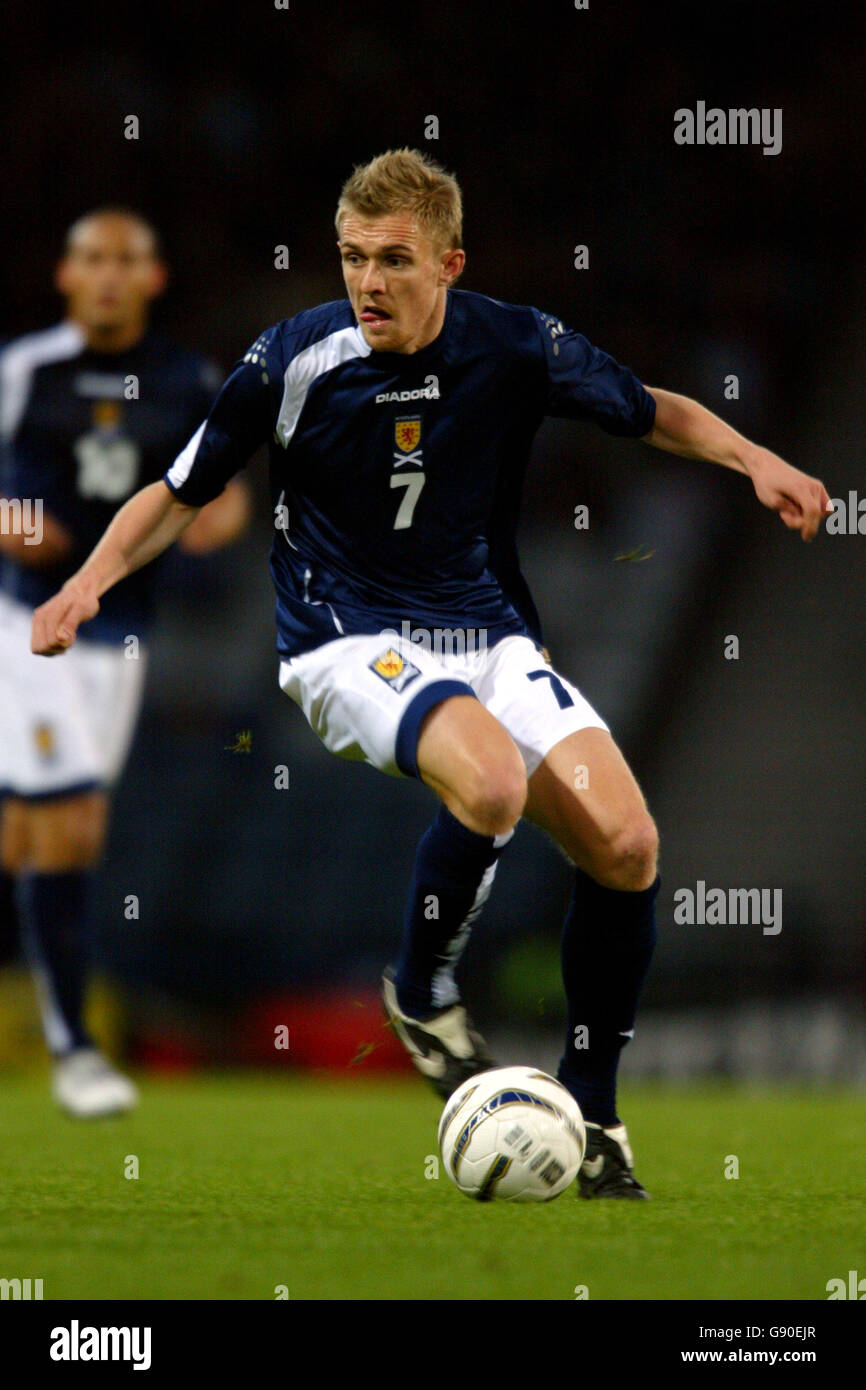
90 411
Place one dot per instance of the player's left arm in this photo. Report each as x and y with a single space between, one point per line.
683 426
219 522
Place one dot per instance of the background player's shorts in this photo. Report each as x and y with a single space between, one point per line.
366 697
66 722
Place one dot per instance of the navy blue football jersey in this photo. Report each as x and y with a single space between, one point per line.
82 431
396 478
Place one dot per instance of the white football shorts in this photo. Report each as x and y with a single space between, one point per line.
66 722
366 696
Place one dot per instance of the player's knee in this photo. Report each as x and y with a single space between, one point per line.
630 859
497 795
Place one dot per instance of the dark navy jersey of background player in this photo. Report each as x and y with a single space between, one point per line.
70 436
401 473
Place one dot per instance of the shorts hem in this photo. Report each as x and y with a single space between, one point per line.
406 745
56 793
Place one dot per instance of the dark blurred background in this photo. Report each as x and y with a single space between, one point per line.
703 262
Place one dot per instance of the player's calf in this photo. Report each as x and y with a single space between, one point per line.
58 842
475 767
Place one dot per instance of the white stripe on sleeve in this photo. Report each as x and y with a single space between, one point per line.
182 466
21 358
303 370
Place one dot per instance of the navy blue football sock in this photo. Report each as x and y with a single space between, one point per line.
607 945
454 871
56 932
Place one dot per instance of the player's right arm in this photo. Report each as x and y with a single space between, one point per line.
242 418
144 527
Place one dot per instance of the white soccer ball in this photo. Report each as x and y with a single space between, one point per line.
512 1133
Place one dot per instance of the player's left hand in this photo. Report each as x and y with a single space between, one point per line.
801 501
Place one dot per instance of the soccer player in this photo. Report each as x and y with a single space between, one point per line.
400 421
89 411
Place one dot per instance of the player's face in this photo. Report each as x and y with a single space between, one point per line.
109 274
396 280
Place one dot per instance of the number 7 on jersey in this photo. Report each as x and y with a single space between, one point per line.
413 483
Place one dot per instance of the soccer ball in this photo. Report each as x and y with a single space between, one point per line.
513 1133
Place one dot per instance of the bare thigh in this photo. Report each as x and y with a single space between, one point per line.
586 797
59 835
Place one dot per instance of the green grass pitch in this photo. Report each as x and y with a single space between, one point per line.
248 1182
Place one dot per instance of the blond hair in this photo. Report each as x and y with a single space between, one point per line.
406 181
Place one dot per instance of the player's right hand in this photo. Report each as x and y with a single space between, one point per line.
56 623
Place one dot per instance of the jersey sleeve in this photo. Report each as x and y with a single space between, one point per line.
584 383
239 421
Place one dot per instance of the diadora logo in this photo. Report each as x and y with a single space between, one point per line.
407 437
428 392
